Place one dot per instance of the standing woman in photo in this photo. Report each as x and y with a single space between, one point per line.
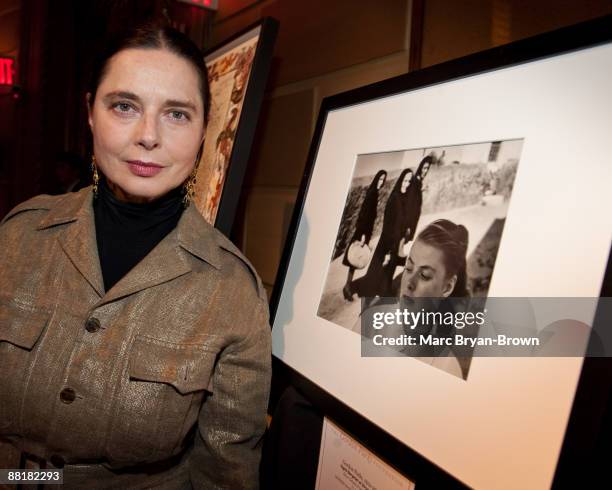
378 279
413 205
363 227
134 337
416 197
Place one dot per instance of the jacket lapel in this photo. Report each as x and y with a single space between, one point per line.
168 260
78 240
162 264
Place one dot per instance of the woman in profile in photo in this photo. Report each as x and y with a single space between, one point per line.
436 266
134 337
377 281
363 229
436 270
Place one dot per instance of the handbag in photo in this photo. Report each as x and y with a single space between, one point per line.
359 255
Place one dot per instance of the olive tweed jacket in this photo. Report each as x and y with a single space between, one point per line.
160 382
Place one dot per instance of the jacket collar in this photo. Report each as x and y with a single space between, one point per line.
165 262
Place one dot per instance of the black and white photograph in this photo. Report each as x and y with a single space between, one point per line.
422 223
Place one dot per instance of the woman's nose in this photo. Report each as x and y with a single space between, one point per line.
408 282
148 132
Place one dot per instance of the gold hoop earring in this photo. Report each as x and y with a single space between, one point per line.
95 176
189 187
190 183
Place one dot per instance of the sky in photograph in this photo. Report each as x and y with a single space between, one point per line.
369 164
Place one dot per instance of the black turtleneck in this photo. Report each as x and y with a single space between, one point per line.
126 232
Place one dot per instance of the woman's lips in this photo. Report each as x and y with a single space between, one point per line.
144 169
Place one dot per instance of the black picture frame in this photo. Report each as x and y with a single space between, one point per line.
248 119
587 436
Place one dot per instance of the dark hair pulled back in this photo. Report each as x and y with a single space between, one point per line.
153 36
452 240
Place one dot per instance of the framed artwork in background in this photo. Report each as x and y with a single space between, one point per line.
510 144
237 71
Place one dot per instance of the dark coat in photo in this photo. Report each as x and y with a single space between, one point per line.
413 203
366 218
378 279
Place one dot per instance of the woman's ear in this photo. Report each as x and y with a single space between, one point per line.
88 103
449 286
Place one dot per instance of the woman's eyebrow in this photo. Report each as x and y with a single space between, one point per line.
132 96
181 103
123 95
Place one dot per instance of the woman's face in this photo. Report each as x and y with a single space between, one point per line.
425 275
147 122
424 170
381 181
406 182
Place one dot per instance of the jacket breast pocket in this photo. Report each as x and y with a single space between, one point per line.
186 367
159 401
20 330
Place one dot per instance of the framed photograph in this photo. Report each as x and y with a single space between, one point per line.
503 153
237 71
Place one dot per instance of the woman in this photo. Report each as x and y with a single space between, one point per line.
379 276
135 342
423 169
413 213
364 226
436 270
436 266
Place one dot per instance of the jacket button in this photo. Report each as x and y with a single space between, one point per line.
57 461
67 395
92 324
